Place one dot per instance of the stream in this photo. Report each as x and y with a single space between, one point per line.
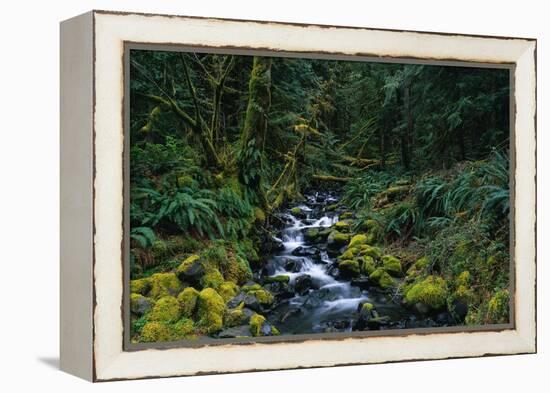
318 299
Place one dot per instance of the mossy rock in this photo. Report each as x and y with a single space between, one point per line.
279 278
367 307
237 316
358 240
191 270
237 269
140 286
463 279
297 212
164 284
350 253
311 234
342 226
375 231
210 308
349 268
212 279
337 240
332 207
166 309
431 292
346 215
368 265
159 248
392 265
382 278
183 329
498 307
139 304
188 301
259 326
228 290
155 332
371 251
397 192
419 266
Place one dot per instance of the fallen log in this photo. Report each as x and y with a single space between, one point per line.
332 178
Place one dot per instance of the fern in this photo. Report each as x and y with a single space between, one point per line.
144 236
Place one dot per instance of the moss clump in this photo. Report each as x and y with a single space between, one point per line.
392 265
237 269
228 290
235 316
185 181
188 301
186 265
342 226
463 278
295 211
367 307
498 307
432 292
358 240
159 248
155 332
346 215
349 268
210 307
166 309
337 239
372 251
257 327
259 215
350 253
418 266
139 304
164 284
184 328
311 234
141 286
375 232
368 266
279 278
264 297
382 278
212 279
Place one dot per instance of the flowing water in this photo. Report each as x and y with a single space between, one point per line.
329 303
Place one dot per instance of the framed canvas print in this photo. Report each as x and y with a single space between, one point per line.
244 195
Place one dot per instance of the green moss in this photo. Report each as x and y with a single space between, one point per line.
338 239
263 296
368 265
358 240
349 268
432 292
295 211
311 234
234 317
212 279
350 253
498 307
184 328
164 284
185 181
187 263
141 286
259 215
166 309
210 308
155 332
237 269
159 248
372 251
278 278
367 307
139 304
188 301
228 290
332 207
392 265
251 287
346 215
342 226
463 278
382 278
256 323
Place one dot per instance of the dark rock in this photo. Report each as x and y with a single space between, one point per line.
281 290
311 252
361 282
459 310
378 322
293 265
192 273
250 302
303 283
290 313
139 305
237 331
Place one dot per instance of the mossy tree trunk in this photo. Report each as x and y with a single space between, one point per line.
255 127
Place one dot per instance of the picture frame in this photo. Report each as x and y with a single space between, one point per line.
94 195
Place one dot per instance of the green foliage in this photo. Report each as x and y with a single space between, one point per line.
144 236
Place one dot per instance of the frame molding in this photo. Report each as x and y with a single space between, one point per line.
99 354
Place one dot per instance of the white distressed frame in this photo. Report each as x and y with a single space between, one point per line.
109 360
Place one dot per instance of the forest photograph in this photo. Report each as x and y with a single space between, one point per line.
275 196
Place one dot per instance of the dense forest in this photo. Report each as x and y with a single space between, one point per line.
284 195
